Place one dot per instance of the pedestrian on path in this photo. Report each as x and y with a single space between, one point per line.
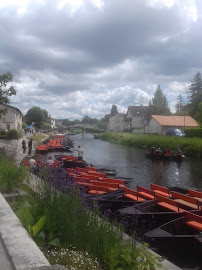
24 146
80 153
30 146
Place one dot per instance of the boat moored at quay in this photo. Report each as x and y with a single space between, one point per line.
147 212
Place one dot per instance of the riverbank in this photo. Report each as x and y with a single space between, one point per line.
191 147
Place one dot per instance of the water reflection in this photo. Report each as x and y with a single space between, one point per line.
131 162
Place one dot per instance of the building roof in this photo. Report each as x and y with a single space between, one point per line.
138 110
12 107
178 121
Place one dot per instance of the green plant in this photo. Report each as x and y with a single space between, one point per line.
11 175
13 134
130 256
36 224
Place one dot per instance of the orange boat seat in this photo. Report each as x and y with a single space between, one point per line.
132 195
146 193
161 190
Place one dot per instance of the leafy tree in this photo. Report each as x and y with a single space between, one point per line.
24 125
36 115
47 126
180 104
66 122
195 93
114 110
159 105
45 113
89 120
76 121
199 114
5 92
182 113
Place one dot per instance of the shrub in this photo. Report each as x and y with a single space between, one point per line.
13 134
193 132
11 176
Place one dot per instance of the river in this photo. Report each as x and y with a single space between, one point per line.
132 162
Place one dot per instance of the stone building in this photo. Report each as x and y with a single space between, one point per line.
12 119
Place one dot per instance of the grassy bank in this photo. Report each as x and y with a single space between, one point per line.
191 147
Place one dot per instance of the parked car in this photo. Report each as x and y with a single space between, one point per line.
175 132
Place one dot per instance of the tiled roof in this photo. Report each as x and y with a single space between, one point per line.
178 121
142 110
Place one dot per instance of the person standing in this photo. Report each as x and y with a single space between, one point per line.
80 153
30 146
32 164
24 146
50 161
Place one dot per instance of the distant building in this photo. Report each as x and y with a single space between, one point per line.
159 123
117 123
136 118
12 119
51 121
58 122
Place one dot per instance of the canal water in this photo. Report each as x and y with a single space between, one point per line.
132 163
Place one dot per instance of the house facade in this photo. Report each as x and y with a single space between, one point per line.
117 123
12 119
136 118
58 122
51 121
159 123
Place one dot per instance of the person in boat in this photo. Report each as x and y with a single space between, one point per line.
178 153
164 152
153 151
158 152
169 153
80 153
49 161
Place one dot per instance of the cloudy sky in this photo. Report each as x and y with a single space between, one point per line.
78 57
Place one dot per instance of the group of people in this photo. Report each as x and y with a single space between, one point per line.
24 146
50 161
164 152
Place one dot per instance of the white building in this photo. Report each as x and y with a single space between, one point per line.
159 123
136 118
117 123
12 119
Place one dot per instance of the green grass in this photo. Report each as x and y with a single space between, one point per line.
191 147
38 137
11 175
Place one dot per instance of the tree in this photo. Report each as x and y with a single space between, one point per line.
114 110
5 92
199 114
47 126
180 104
45 113
159 105
195 93
36 115
66 122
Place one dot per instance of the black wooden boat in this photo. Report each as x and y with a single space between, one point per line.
179 241
146 216
165 157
